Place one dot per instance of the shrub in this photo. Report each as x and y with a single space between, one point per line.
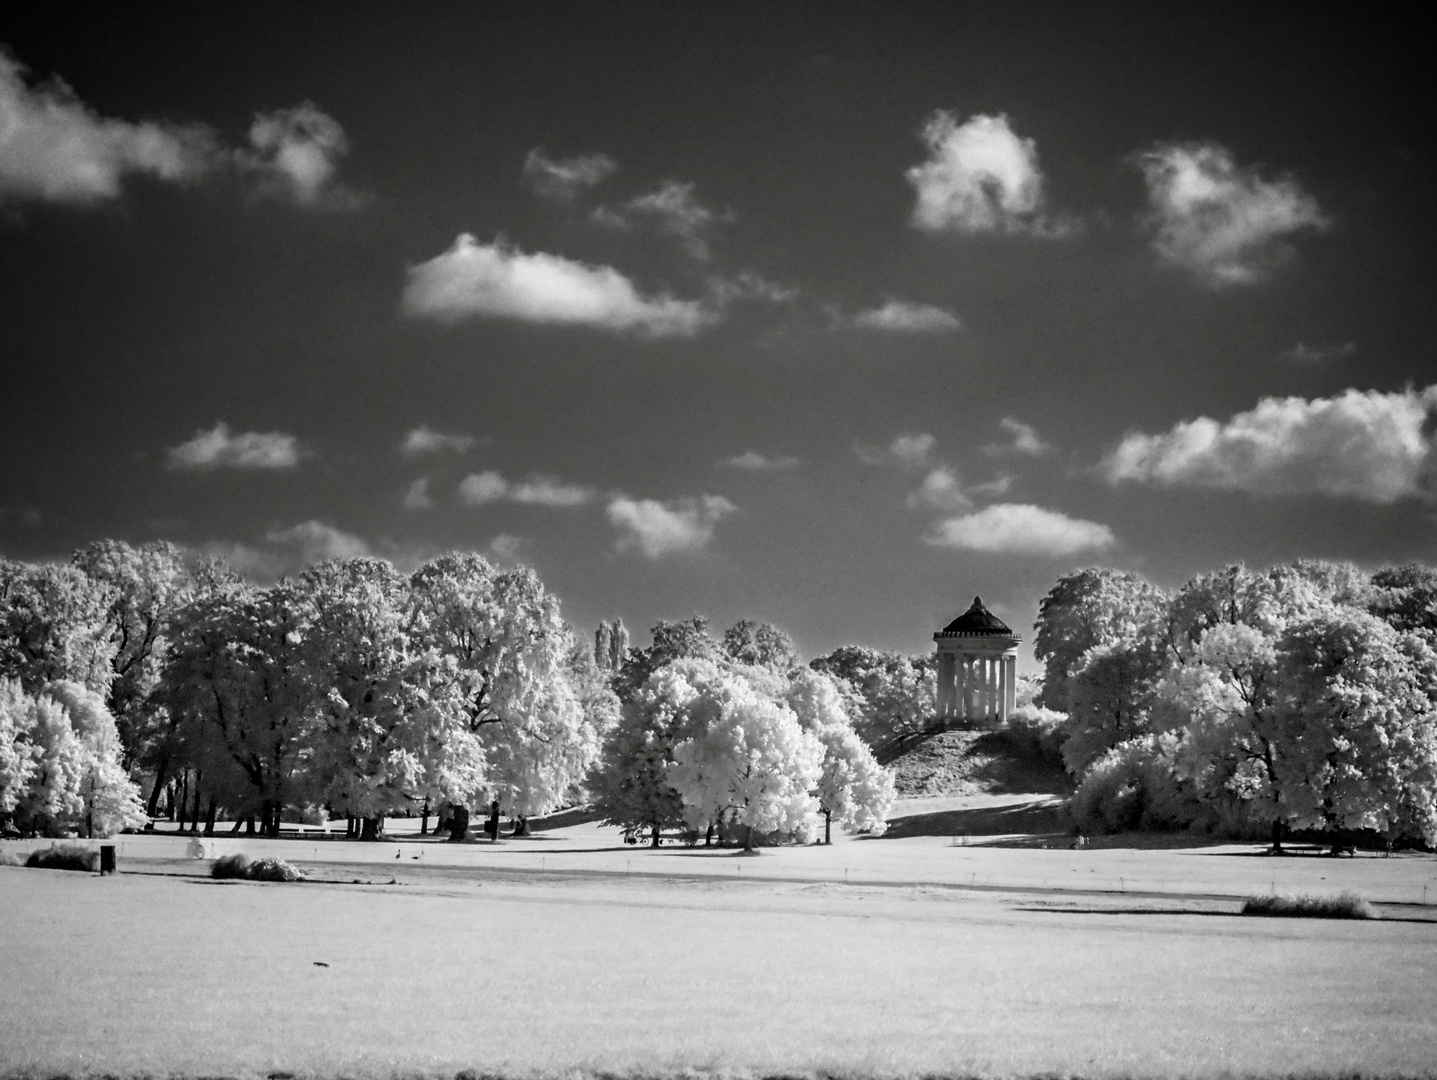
1037 732
230 866
1345 905
9 858
65 857
273 870
240 866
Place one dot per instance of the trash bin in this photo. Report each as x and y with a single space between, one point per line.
107 859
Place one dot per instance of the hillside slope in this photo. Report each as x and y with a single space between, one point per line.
963 762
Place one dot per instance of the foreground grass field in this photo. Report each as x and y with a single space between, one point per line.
527 958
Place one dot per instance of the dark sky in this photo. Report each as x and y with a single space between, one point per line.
832 315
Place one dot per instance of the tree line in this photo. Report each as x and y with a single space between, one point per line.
1245 703
353 690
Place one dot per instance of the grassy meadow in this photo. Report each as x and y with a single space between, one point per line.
568 951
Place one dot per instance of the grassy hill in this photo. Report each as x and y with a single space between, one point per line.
967 762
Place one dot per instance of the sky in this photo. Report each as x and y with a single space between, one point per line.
832 315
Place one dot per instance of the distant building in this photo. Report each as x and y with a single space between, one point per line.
977 667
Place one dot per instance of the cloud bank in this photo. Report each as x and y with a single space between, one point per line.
906 451
904 317
220 448
475 281
425 440
979 177
756 461
1021 529
1360 445
656 529
55 148
1223 223
564 179
479 489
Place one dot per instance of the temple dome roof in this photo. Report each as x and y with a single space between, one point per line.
977 621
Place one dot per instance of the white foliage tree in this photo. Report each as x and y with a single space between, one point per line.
741 757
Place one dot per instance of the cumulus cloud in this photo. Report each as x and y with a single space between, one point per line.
1360 445
478 489
508 548
295 155
1223 223
425 440
904 317
1319 354
220 448
55 148
286 551
906 451
565 178
980 177
757 461
941 489
1020 529
673 208
473 280
657 529
1022 439
418 497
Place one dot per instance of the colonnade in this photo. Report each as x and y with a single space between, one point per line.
974 685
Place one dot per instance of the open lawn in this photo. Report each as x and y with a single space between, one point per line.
569 951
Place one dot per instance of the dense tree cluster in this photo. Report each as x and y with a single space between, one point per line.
731 738
348 688
1298 698
351 689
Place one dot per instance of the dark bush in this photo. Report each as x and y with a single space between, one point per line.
240 866
1346 905
65 857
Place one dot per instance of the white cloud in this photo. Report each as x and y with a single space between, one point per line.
1223 223
1021 529
508 548
941 489
296 154
1319 354
673 207
980 177
663 528
54 148
474 280
1022 439
902 316
565 178
549 491
425 440
1360 444
286 551
418 497
757 461
220 448
906 451
477 489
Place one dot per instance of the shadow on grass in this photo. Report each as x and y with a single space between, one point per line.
1032 823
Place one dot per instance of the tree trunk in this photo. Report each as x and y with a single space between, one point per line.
153 807
236 826
748 837
709 836
195 816
1277 836
210 816
424 818
458 824
184 799
371 828
827 827
655 841
249 824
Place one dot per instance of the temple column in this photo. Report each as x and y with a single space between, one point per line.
964 687
945 662
987 687
1012 684
1001 711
